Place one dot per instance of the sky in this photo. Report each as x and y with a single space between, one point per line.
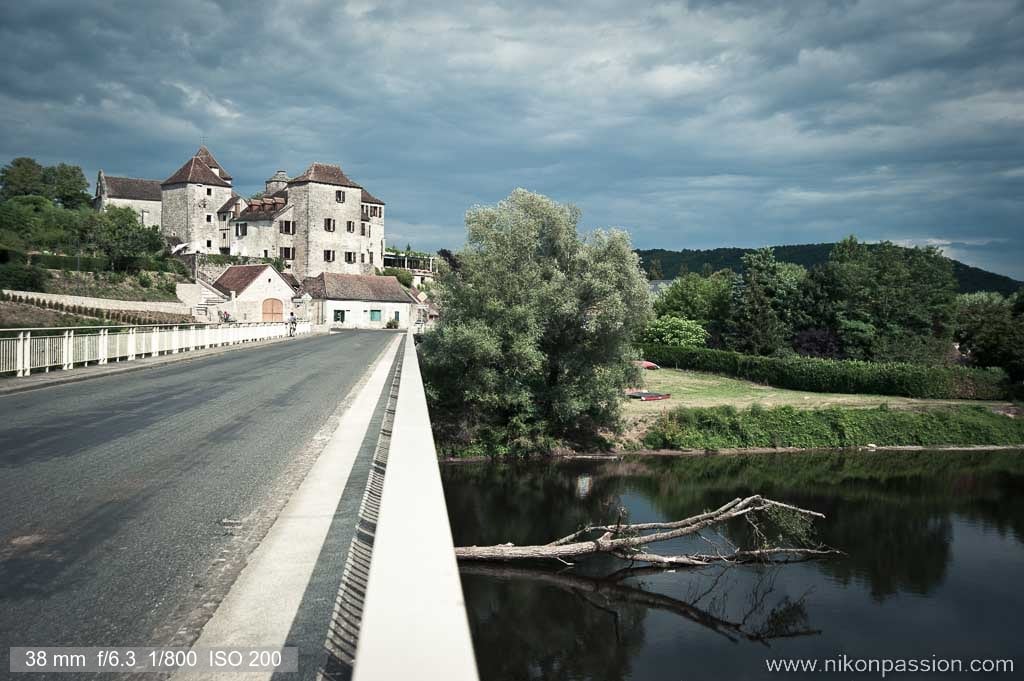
691 125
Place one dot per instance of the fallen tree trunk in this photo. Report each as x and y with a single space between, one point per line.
627 541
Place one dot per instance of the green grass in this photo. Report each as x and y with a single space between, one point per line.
116 286
727 427
696 389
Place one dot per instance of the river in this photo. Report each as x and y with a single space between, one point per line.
933 571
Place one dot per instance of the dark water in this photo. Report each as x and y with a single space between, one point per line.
934 571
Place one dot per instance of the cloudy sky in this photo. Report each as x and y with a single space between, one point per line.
692 125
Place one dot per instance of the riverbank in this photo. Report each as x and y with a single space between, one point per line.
835 428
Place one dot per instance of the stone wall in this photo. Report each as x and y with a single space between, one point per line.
190 214
149 212
315 202
107 303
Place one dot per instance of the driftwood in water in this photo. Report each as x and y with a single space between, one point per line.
628 541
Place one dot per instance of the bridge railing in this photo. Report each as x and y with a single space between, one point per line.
28 350
414 623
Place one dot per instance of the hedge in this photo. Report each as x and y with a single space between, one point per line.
22 278
840 376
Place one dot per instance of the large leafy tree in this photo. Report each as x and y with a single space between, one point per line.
122 238
991 332
702 298
764 303
536 332
23 177
67 185
885 302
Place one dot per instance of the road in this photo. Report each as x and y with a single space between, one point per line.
128 503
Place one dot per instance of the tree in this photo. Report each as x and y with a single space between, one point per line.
404 276
675 332
122 238
763 303
22 177
535 339
990 332
67 185
705 299
884 302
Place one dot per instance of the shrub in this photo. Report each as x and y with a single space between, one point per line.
723 427
839 376
404 276
392 324
675 332
144 280
22 277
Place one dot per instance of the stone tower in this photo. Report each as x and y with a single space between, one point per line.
191 198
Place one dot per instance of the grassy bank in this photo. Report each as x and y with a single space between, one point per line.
726 427
697 389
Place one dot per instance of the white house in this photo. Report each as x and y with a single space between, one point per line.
359 301
257 293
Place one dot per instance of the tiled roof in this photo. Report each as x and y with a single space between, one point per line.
229 205
368 287
195 171
325 173
370 198
238 277
132 188
264 208
292 281
206 157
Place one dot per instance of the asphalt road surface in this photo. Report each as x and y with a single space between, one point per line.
128 503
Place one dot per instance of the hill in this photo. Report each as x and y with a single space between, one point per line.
970 279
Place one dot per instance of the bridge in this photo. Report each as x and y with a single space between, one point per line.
282 494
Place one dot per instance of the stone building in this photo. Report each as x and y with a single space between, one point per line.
351 301
318 221
142 196
257 293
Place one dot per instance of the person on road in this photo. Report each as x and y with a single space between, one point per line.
292 323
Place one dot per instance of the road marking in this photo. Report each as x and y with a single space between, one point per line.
259 609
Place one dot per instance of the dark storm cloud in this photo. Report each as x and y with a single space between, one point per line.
692 125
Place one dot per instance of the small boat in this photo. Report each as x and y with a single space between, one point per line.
644 364
645 396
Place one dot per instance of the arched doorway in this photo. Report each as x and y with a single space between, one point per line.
273 310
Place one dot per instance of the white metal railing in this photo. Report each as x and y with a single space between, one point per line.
23 351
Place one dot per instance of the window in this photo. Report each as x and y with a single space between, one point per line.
209 243
223 235
209 192
223 217
371 257
350 226
339 196
350 257
225 251
241 229
368 230
287 253
397 318
328 256
287 227
362 256
374 315
266 254
362 229
329 224
339 315
209 218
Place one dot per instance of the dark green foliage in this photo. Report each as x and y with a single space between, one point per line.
404 276
534 344
839 376
675 332
66 184
21 177
991 331
22 277
705 299
674 263
725 427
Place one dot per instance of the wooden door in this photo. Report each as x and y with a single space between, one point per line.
273 310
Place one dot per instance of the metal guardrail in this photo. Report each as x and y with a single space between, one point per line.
45 349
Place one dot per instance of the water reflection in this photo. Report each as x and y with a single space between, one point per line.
934 541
